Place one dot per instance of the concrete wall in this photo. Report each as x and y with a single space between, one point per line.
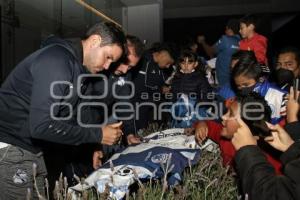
144 21
40 18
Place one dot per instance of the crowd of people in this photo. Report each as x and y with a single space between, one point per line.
73 103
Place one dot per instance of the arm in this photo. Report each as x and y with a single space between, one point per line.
260 50
52 65
204 89
126 113
209 50
258 176
209 128
292 106
293 130
293 126
291 162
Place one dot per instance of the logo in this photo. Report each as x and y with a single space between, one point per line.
125 171
160 158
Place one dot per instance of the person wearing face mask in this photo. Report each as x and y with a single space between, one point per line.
189 87
287 67
247 78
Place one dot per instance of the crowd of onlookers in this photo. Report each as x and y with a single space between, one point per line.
53 101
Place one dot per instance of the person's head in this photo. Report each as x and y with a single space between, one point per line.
187 61
289 59
135 50
190 44
163 55
104 44
245 76
232 27
243 56
247 26
253 110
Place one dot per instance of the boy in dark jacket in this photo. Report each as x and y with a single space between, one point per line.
149 80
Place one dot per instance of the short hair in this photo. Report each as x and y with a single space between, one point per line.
234 25
110 34
138 45
187 54
250 19
254 120
188 43
291 49
193 57
244 56
168 47
251 70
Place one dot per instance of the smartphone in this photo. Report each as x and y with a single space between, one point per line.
296 84
261 129
296 87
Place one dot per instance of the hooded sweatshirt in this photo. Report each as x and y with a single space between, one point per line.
39 99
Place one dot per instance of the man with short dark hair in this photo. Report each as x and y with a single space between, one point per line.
148 82
39 103
289 59
85 159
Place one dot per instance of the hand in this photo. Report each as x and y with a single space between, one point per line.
111 133
243 136
201 131
132 139
292 106
201 39
166 89
280 139
189 131
97 156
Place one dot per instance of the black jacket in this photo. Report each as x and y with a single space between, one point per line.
258 176
149 78
194 84
293 130
118 98
26 100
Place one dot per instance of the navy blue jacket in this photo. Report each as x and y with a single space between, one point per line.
25 98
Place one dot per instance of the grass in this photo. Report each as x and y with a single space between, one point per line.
207 180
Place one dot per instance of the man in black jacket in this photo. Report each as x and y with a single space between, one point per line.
258 177
39 102
287 66
84 159
148 81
